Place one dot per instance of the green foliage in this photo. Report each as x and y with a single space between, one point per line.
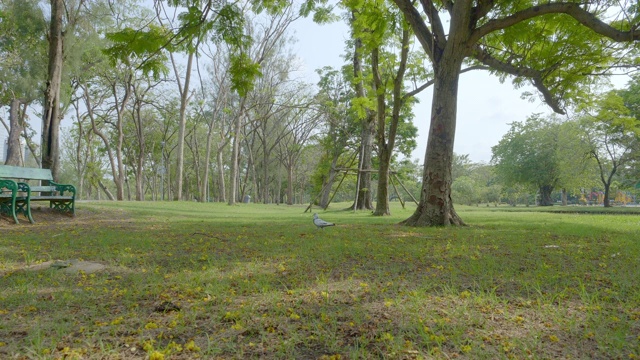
142 49
361 105
558 47
612 134
473 183
243 71
228 27
631 96
543 154
528 153
23 50
322 11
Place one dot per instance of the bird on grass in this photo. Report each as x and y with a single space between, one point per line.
321 223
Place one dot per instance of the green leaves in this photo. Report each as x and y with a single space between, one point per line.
528 153
23 50
142 49
243 71
228 27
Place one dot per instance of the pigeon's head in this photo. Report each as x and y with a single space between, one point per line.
315 216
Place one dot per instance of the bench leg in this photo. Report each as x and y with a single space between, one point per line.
9 208
64 206
23 206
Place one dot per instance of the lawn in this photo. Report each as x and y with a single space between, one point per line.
185 280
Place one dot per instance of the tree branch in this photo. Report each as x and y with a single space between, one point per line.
536 76
439 36
574 10
419 89
481 10
420 29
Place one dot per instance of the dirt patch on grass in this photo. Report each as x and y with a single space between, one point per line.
44 216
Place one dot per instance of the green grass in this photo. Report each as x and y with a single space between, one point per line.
259 281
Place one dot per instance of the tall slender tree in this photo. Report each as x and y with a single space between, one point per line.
51 105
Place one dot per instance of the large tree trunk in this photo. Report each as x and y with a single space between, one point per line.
382 205
436 207
545 195
15 152
51 108
607 190
384 150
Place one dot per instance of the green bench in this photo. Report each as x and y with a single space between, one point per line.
16 195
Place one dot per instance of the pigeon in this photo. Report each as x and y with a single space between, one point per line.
321 223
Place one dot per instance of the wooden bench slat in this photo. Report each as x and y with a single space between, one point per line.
18 172
43 188
44 197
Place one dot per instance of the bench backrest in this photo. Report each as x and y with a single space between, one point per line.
17 172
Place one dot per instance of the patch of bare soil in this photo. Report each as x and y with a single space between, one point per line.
44 216
68 266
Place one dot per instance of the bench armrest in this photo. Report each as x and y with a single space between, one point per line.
9 185
64 187
24 187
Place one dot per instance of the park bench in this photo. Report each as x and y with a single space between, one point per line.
16 194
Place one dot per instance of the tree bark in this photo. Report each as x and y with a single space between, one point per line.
207 161
142 150
184 100
386 145
382 205
607 191
14 153
364 201
222 194
106 191
436 207
545 195
363 197
51 108
328 184
235 155
290 184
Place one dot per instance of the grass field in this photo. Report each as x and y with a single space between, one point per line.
187 280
